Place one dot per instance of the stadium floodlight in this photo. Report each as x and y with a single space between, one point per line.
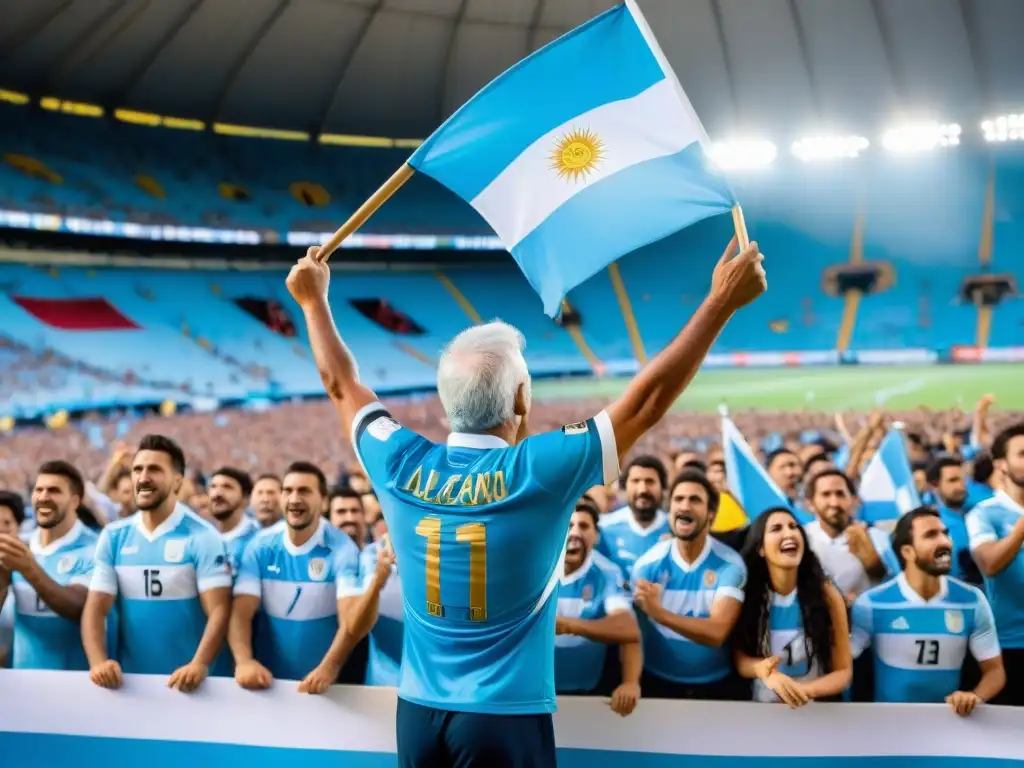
921 137
814 148
743 155
1004 128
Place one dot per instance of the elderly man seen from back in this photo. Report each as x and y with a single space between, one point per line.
478 524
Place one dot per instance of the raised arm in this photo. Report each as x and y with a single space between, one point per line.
736 282
308 283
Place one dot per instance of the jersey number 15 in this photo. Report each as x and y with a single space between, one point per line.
151 581
474 534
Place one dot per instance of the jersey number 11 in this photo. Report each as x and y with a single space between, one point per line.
474 534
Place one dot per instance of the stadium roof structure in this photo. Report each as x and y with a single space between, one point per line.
399 67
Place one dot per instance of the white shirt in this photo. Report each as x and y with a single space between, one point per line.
839 563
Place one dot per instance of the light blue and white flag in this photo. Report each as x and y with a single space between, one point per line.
581 153
748 481
887 489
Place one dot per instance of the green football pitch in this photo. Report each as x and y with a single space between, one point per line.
826 389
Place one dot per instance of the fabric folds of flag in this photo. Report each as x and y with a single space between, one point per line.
887 489
581 153
748 481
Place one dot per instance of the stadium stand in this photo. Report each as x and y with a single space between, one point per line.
112 170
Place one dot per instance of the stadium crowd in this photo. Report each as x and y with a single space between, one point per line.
269 558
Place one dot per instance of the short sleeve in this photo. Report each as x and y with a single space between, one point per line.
861 625
213 567
346 573
83 568
104 577
984 643
883 546
979 528
569 461
615 598
380 442
248 581
732 580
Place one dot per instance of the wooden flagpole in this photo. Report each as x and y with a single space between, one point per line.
366 210
740 225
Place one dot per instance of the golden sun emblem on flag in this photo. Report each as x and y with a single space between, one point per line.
577 154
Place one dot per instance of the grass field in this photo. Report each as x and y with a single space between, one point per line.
829 389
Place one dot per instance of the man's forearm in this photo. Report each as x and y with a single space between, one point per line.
342 645
993 680
631 657
240 635
993 557
94 633
654 390
703 631
66 602
616 629
362 614
213 636
334 361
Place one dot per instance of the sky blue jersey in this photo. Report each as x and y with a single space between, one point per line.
299 589
787 642
237 539
689 590
386 637
42 639
479 530
623 539
991 520
595 590
157 577
920 646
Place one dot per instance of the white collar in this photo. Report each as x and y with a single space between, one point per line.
783 601
168 525
479 442
677 557
816 529
68 538
913 597
580 572
315 540
243 527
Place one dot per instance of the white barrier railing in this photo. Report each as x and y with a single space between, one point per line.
55 719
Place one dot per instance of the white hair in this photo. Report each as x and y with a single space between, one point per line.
478 376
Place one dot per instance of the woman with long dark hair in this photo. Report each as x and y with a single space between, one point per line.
793 636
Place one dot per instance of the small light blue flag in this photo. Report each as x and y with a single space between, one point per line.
748 481
581 153
887 489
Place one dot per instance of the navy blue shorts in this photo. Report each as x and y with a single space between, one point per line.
437 738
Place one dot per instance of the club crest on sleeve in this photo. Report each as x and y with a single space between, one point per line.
710 579
383 428
579 428
65 564
317 569
174 550
955 622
